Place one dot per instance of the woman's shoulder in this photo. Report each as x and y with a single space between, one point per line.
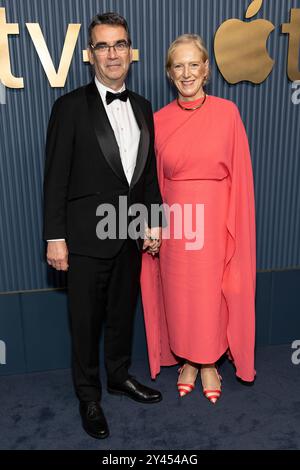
165 111
223 104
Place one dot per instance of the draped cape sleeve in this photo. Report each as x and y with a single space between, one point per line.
238 283
239 278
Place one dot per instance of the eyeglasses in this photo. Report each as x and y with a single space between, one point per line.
103 48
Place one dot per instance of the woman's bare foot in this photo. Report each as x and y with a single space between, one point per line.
209 377
189 373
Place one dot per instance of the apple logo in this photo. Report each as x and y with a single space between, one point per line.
240 48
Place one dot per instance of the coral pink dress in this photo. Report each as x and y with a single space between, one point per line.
199 303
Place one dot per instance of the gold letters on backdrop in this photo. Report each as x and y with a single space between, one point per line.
240 49
293 29
56 79
6 76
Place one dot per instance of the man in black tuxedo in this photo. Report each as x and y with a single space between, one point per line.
100 146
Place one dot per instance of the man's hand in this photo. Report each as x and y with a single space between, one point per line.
153 240
57 255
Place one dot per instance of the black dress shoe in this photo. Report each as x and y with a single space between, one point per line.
133 389
93 419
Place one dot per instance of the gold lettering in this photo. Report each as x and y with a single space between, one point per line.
293 29
56 79
229 55
6 75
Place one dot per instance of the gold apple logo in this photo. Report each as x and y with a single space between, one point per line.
240 48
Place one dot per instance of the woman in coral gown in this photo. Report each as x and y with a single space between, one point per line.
199 303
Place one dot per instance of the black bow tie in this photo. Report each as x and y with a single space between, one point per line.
110 97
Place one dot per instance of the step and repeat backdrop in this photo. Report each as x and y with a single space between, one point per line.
254 53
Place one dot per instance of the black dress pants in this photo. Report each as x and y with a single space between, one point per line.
102 289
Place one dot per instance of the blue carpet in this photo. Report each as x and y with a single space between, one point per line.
40 411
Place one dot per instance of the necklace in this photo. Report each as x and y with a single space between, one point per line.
192 109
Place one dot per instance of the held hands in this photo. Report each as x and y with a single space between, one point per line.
57 251
57 255
152 241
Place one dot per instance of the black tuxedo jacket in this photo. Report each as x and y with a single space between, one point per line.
83 170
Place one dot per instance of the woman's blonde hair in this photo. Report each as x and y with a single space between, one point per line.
183 39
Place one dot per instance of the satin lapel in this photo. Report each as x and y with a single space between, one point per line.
144 140
104 133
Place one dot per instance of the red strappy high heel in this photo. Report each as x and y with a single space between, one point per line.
213 394
184 388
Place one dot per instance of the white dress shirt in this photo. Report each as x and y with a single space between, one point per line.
126 130
124 125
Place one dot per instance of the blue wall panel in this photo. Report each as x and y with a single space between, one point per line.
285 307
35 326
46 330
263 307
12 335
35 330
